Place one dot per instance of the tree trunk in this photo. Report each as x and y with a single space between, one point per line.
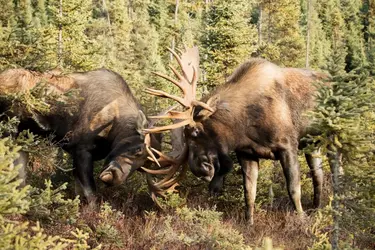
59 39
107 15
269 22
260 25
308 33
335 163
175 25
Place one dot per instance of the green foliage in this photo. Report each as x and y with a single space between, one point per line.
40 101
344 111
13 200
106 231
16 201
194 227
22 41
345 118
282 35
50 204
227 39
171 201
75 50
322 221
130 37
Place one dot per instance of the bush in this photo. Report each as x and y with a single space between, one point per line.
15 232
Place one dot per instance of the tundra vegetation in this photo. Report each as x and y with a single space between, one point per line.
130 37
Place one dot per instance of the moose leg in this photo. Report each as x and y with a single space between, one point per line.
250 177
83 172
222 168
216 184
315 165
289 162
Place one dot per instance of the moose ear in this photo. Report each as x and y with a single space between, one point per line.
213 103
141 122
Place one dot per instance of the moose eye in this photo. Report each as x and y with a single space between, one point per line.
137 150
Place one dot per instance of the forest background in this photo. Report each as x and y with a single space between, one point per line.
130 37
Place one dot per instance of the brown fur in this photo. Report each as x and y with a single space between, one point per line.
282 94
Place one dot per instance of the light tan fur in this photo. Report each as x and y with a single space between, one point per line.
104 116
20 80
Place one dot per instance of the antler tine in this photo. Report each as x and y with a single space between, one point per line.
183 81
163 94
152 156
156 171
167 127
168 183
173 115
168 78
202 104
167 161
152 123
194 82
178 59
167 186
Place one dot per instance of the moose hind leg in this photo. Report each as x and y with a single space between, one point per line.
250 177
83 173
289 162
315 165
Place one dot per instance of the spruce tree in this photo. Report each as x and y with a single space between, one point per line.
22 42
368 11
319 45
354 38
227 39
144 57
111 28
344 116
74 49
283 42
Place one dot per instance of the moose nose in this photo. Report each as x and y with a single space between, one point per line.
114 174
207 178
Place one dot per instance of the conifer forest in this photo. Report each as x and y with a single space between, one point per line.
268 97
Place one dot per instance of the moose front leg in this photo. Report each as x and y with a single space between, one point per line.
315 165
289 162
223 165
83 172
250 176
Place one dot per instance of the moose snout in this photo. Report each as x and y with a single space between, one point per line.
115 174
202 168
207 168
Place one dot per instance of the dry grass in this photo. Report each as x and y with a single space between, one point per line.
133 221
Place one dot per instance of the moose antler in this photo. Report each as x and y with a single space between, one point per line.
173 166
189 63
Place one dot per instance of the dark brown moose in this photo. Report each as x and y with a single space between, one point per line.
258 113
106 124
